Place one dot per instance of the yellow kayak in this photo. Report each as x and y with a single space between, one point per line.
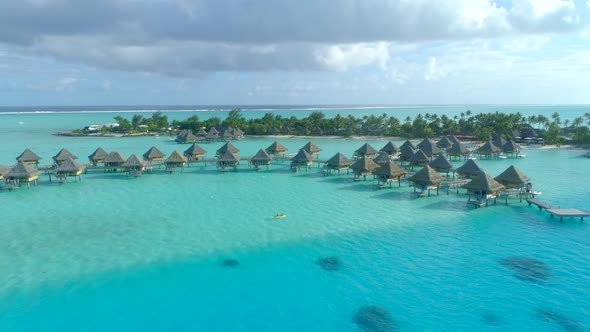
279 216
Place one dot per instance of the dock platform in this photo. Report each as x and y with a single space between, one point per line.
568 213
541 205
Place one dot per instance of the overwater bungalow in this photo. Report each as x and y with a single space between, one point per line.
498 140
338 163
227 159
201 134
362 167
488 150
153 154
388 173
444 143
429 147
390 148
194 152
426 180
22 173
482 188
227 135
212 135
419 158
98 156
238 133
276 149
227 147
63 155
407 143
441 164
134 165
514 180
458 151
114 160
3 171
382 158
175 160
365 151
185 136
312 149
261 158
301 159
453 139
69 168
406 151
510 148
29 157
469 169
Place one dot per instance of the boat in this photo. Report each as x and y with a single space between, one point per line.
279 216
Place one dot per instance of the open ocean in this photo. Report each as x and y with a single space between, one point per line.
112 253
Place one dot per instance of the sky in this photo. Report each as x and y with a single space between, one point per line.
280 52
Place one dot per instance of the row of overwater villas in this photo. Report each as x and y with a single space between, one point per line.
187 136
366 161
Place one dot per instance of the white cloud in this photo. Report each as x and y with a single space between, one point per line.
344 57
433 71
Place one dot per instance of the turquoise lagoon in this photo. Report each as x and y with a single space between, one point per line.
116 254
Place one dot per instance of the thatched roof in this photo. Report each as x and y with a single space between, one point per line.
311 148
444 142
499 141
458 149
483 182
276 148
512 177
63 154
407 143
22 170
429 147
488 148
382 158
364 164
470 168
98 154
212 134
28 156
390 170
238 133
227 147
4 170
427 176
213 131
190 137
228 156
194 150
228 134
176 158
510 146
262 155
338 161
201 133
69 165
454 139
317 131
302 156
365 150
406 152
153 153
114 158
133 161
419 158
390 148
441 163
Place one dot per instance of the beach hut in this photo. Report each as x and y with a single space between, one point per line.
22 173
429 147
312 149
175 160
29 157
441 164
365 151
301 159
482 188
260 158
382 158
390 148
388 173
134 165
406 151
425 180
488 150
3 171
114 160
511 148
444 143
194 152
153 154
458 151
98 156
338 163
227 159
419 158
276 149
63 155
69 168
469 169
227 147
362 167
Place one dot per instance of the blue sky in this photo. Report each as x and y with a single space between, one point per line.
115 52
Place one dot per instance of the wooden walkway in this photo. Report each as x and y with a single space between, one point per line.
556 211
541 205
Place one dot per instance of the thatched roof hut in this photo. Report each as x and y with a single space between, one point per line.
407 143
69 167
227 147
512 177
419 158
429 147
406 152
98 156
458 150
382 158
389 170
175 160
317 131
302 158
311 148
154 154
469 169
29 157
227 159
213 130
276 148
441 164
488 149
114 159
426 177
22 172
228 134
3 171
261 158
365 151
62 155
444 143
454 139
364 166
186 136
510 147
134 163
499 141
390 148
195 152
202 133
338 162
238 133
212 135
483 183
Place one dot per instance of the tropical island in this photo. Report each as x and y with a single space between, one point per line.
481 126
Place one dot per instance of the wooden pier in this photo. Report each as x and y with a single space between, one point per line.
541 205
556 211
